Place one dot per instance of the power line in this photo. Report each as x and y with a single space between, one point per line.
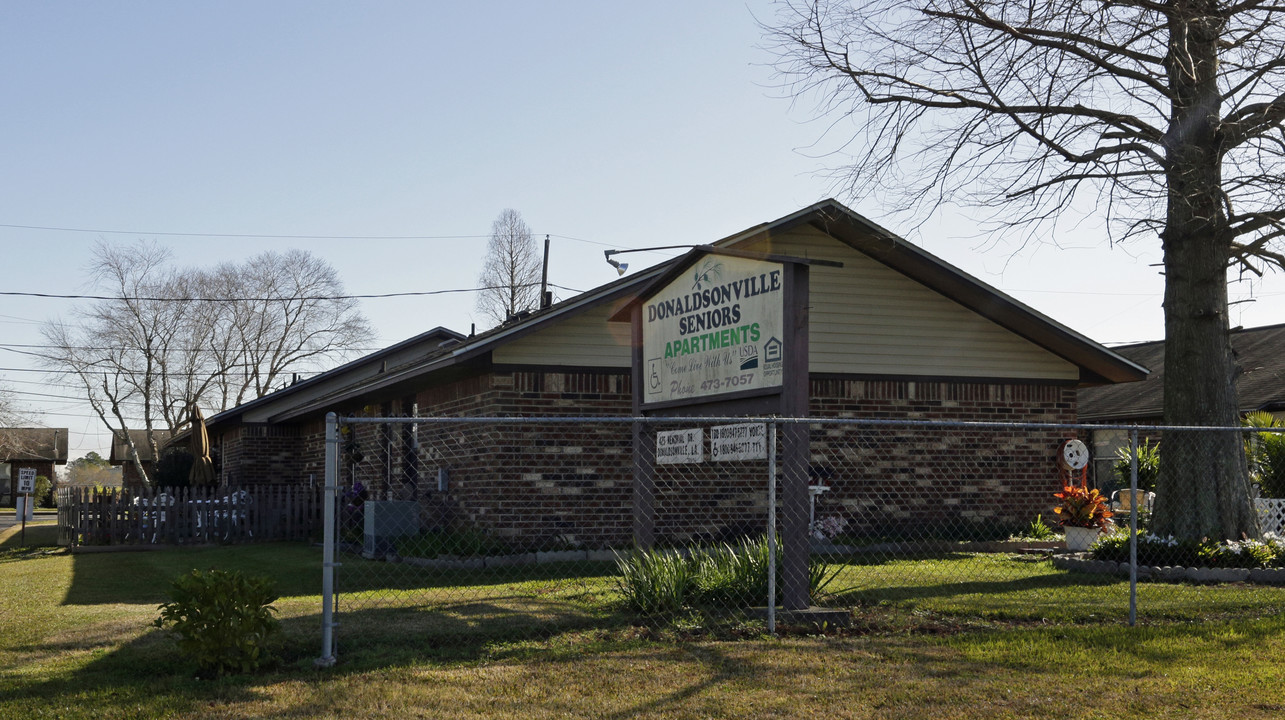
270 236
297 298
67 398
131 372
9 346
258 236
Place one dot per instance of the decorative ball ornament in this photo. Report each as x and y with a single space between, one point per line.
1075 454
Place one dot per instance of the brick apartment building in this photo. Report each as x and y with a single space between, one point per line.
894 333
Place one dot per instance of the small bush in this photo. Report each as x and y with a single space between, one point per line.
1038 530
1148 466
666 581
465 542
655 581
1158 551
44 494
732 574
1266 454
223 620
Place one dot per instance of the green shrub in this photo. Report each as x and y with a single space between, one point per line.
1113 547
655 581
174 469
1148 466
1271 470
464 541
223 620
727 574
1038 530
44 494
1266 454
1159 551
666 581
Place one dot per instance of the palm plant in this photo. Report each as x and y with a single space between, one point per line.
1266 453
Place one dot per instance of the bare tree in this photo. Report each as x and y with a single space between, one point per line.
11 416
169 338
120 351
9 412
1168 114
510 278
289 313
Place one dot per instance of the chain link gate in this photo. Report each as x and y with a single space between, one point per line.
467 532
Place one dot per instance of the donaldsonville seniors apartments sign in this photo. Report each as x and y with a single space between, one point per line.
725 335
716 329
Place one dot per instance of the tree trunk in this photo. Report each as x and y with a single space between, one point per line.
1203 489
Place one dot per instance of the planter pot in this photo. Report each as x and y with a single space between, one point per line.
1078 539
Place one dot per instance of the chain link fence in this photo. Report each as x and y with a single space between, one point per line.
463 532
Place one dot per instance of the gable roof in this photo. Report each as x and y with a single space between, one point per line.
347 384
409 351
1097 363
1260 378
33 445
478 346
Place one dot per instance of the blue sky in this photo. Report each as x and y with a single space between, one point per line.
604 124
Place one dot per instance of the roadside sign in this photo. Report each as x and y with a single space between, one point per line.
26 480
680 446
743 441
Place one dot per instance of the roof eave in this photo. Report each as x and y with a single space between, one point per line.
485 343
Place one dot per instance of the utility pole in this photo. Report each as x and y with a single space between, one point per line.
546 298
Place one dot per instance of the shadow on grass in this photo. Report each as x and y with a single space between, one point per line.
148 677
903 593
150 673
144 577
876 559
37 541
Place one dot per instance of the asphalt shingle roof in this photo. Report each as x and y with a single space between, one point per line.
1260 378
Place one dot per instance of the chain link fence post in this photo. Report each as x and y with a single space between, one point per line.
329 494
1133 528
771 528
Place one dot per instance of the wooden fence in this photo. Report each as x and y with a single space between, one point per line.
178 516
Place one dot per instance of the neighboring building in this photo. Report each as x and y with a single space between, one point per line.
38 448
1260 380
120 457
894 333
1260 385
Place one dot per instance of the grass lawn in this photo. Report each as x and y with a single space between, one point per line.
956 636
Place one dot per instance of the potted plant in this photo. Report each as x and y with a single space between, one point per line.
1084 514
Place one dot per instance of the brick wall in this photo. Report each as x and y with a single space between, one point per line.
547 483
553 483
899 479
254 454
